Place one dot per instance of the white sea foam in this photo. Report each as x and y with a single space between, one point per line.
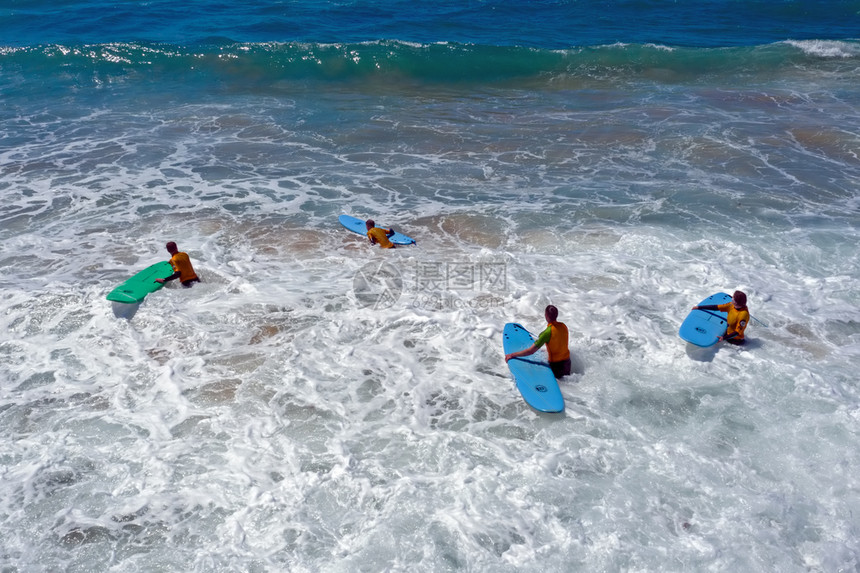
827 48
274 418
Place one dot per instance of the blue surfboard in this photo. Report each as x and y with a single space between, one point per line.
532 374
358 226
704 327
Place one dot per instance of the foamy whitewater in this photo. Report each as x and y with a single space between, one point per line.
317 404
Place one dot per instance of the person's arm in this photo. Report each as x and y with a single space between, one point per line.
527 352
389 233
174 276
542 339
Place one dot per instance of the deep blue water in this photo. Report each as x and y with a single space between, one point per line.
545 24
190 48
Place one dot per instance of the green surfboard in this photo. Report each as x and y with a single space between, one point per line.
136 288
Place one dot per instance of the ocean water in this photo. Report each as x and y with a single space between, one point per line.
319 405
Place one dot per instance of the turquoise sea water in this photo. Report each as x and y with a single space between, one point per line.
318 405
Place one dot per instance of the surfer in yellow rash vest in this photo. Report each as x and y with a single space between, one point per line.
379 235
739 317
555 337
181 264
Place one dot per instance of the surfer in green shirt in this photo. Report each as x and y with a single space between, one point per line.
555 336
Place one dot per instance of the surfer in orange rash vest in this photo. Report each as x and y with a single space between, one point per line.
739 317
181 264
379 235
555 337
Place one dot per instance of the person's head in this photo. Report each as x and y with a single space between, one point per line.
551 313
370 224
171 248
739 299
